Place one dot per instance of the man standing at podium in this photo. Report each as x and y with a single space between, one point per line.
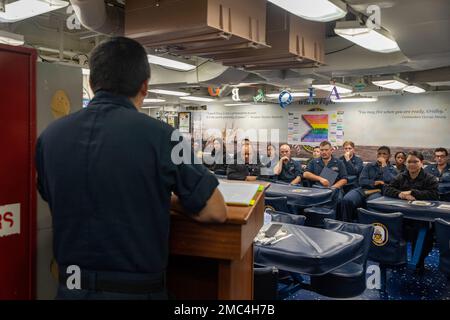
108 177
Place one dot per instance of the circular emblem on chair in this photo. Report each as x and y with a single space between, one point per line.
380 235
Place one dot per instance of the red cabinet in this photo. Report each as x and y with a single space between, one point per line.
17 173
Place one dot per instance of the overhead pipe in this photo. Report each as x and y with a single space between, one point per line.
97 16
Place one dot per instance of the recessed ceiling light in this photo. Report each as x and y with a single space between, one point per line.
170 63
316 10
414 89
24 9
393 83
378 40
193 98
12 39
356 98
169 92
151 100
293 94
236 104
244 84
341 88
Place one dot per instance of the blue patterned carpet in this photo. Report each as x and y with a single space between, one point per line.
402 284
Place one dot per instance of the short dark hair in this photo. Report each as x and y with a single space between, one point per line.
119 65
441 150
316 147
325 143
399 152
385 148
416 154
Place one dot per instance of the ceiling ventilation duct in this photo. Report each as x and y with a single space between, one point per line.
197 27
95 15
294 43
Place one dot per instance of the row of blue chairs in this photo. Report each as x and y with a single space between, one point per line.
384 243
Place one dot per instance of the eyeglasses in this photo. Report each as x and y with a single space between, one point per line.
440 156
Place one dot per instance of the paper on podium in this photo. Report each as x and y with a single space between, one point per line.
238 194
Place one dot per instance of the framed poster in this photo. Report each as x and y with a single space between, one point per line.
184 122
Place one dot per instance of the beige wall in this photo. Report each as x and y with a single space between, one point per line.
50 78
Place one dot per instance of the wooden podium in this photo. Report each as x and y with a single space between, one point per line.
214 261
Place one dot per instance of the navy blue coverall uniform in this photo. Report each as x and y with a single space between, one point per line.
357 198
354 167
315 166
290 170
107 174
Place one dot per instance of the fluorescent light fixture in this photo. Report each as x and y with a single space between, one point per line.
414 89
170 92
173 64
24 9
293 94
200 99
378 40
393 83
150 100
356 98
316 10
244 84
150 107
341 88
13 39
85 71
236 104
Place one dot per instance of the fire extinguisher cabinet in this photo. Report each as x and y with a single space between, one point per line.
17 173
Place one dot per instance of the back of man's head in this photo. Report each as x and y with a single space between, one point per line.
120 66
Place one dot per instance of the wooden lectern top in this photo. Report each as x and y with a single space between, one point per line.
229 240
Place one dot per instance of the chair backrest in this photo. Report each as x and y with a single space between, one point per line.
388 245
276 203
265 286
444 196
362 229
443 239
283 217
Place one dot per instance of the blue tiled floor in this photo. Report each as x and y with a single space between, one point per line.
402 284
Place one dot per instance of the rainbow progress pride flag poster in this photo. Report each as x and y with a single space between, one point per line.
319 128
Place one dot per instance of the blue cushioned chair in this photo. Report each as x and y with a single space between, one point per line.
315 216
443 239
283 217
388 246
350 279
291 280
265 284
276 203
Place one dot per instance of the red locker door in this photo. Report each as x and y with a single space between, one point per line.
17 177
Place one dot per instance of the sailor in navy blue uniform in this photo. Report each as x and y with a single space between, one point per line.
353 164
441 170
371 180
315 167
287 169
107 174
